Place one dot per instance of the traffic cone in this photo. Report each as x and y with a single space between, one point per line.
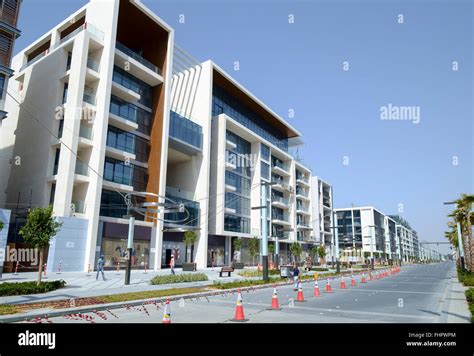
275 304
239 309
363 280
316 289
353 281
376 275
167 313
370 277
300 297
328 287
343 282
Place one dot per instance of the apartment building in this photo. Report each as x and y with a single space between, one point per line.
91 127
366 232
9 10
323 217
109 109
408 240
244 163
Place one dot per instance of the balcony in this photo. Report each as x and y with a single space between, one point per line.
185 135
302 179
78 207
125 176
303 225
302 194
89 98
81 169
280 234
302 210
281 219
280 201
278 166
280 185
129 117
140 67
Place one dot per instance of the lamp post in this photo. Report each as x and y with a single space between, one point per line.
335 244
460 240
372 238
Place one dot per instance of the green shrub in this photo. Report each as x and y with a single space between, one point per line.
466 278
179 278
251 273
22 288
470 300
319 269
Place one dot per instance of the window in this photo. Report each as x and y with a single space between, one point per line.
51 195
65 90
69 59
56 161
265 150
264 170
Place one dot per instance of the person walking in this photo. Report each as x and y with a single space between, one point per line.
100 267
296 273
172 265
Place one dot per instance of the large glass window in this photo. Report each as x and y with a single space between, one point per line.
113 205
130 82
131 112
265 150
222 102
185 130
236 224
128 142
122 173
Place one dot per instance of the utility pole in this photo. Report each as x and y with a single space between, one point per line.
131 231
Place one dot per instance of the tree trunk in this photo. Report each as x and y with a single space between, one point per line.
470 244
40 269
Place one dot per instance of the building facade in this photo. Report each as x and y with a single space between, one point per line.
365 232
9 10
109 108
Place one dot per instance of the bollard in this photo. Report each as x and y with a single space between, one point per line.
16 268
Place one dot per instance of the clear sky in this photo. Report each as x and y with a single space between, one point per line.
391 164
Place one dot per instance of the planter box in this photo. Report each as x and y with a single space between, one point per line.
238 265
189 267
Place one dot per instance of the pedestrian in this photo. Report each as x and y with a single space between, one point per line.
100 267
296 273
172 265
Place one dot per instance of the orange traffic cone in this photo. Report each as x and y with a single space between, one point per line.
343 282
376 275
363 280
300 297
166 313
239 309
316 289
328 287
353 281
275 304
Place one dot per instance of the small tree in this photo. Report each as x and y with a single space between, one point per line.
271 250
254 248
321 254
238 246
314 252
39 229
296 251
189 239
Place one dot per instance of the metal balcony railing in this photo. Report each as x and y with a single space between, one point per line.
129 52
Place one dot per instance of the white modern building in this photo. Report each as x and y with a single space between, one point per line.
107 107
323 217
365 232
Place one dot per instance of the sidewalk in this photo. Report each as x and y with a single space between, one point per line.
455 308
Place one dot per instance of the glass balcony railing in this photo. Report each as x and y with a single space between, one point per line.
282 200
78 207
81 168
93 64
129 52
132 113
127 174
185 130
302 177
89 98
279 163
280 234
302 192
85 132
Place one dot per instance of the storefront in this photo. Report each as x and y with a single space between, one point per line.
115 242
173 245
216 250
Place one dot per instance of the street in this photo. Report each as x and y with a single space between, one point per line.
417 294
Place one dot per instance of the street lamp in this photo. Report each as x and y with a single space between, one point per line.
372 237
335 244
460 241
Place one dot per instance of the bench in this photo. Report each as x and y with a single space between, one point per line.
227 270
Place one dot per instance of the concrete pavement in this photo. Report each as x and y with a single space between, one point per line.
418 294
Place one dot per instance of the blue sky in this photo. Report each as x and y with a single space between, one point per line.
299 66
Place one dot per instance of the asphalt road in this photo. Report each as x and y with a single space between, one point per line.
414 295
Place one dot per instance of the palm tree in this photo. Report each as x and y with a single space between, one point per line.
463 215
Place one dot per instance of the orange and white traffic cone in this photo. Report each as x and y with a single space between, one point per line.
343 282
328 287
316 288
167 313
363 280
275 304
353 281
376 275
300 297
239 309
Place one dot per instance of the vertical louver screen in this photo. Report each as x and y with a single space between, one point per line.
9 11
